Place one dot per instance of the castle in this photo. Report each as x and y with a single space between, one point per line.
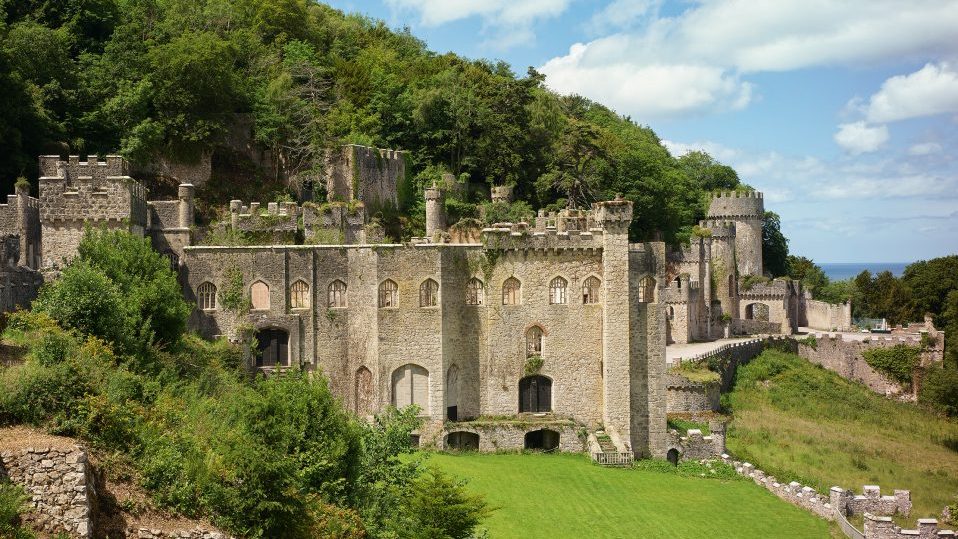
549 335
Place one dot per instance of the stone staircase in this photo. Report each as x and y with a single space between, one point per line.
608 455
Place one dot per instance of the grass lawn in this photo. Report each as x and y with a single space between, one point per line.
557 496
801 422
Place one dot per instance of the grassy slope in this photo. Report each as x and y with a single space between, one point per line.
808 424
559 496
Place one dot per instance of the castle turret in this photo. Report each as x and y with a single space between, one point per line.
747 211
186 191
435 211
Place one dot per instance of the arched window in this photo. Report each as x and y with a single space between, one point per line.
411 386
299 295
510 291
336 295
474 292
535 394
557 289
388 294
364 392
259 296
647 290
534 341
590 290
206 296
428 293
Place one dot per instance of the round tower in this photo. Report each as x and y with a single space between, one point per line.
747 211
435 211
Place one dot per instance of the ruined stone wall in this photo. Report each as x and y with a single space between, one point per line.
337 223
75 194
696 446
781 297
370 175
826 316
845 358
56 479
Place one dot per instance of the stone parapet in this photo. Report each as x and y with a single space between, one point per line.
740 206
883 527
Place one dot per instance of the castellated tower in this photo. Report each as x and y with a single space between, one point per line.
75 193
723 263
747 211
435 211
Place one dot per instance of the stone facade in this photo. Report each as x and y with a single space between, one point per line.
687 396
603 358
747 211
57 479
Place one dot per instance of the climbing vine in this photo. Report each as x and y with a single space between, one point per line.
533 365
897 362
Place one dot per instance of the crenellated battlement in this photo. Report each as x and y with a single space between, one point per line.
720 228
51 166
275 217
737 206
518 236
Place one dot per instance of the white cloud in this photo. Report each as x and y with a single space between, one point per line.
621 14
509 21
647 90
932 89
859 137
924 148
714 43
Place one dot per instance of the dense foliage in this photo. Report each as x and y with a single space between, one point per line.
273 456
179 78
897 362
13 502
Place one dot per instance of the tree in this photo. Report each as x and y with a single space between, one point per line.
808 272
774 246
930 282
575 170
440 508
708 173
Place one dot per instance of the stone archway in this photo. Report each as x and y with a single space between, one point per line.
673 456
757 311
542 439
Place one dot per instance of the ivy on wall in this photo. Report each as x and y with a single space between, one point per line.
897 362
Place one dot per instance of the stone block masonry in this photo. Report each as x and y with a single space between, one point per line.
56 480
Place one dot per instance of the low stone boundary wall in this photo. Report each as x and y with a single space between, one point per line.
794 493
879 527
195 533
57 480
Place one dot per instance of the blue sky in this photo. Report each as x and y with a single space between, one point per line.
844 113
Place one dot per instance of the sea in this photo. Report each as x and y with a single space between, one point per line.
839 271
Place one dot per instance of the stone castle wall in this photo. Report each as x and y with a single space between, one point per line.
20 216
845 357
370 175
56 480
826 316
686 396
75 194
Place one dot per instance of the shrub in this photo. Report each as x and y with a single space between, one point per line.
13 501
897 362
440 507
939 390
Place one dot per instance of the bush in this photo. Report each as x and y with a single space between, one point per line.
897 362
939 390
440 507
13 501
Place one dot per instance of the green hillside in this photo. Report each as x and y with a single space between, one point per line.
801 422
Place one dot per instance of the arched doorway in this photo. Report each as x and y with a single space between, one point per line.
272 348
673 456
452 393
462 441
410 384
535 394
542 439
